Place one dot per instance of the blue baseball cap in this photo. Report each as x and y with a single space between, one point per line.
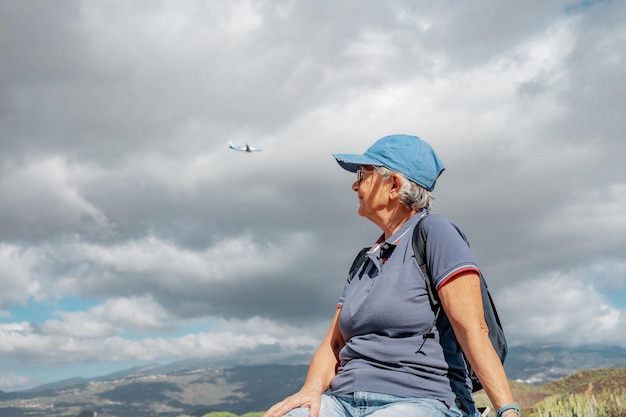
408 155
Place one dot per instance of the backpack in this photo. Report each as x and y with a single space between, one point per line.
496 333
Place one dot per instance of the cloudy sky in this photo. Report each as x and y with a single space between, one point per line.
130 233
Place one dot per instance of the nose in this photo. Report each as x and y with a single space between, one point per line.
355 186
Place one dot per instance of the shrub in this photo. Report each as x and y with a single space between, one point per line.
605 404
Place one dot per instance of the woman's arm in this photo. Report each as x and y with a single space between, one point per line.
462 302
321 371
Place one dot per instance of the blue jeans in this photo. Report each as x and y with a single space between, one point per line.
371 404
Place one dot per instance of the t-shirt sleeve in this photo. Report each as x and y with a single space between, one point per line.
447 250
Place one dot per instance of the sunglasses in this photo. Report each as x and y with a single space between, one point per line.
360 174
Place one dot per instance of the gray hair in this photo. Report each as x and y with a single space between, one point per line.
412 195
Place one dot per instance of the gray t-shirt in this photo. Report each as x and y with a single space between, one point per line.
386 311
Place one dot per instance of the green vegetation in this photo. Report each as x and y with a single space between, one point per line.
604 404
594 393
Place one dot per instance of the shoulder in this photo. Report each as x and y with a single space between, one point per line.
446 249
435 219
434 222
440 226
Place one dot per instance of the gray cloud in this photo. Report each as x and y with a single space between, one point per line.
120 194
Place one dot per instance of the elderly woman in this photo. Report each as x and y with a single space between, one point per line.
375 359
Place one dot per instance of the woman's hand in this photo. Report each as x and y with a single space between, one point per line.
309 398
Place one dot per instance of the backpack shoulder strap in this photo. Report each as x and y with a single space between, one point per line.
496 333
356 264
419 251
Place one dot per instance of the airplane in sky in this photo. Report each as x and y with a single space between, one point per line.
246 148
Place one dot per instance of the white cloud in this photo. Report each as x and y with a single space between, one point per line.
10 381
16 281
563 309
172 264
113 316
41 197
227 340
146 277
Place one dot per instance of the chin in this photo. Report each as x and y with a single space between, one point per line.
364 213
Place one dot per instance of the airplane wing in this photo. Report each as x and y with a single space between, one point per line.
246 148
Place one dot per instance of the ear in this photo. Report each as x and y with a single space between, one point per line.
396 185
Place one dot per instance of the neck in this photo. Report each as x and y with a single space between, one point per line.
391 223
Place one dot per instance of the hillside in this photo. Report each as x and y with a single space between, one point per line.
589 382
192 388
240 390
190 391
541 364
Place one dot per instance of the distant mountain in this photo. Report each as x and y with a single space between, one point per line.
163 391
54 386
538 365
195 387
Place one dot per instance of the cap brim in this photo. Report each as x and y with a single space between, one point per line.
352 162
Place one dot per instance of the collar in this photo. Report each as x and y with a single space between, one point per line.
382 249
399 234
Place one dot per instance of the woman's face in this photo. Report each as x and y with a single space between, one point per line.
370 188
